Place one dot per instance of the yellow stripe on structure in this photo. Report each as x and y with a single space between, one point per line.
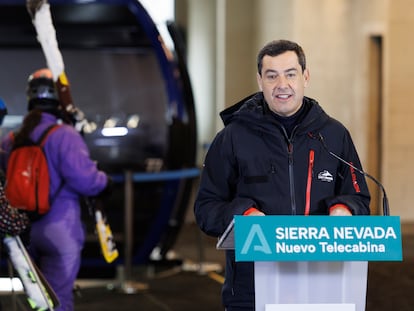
63 79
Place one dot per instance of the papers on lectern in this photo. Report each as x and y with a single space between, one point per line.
226 240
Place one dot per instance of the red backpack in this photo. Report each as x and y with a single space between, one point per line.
27 176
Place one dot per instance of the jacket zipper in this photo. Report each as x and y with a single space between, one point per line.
309 181
291 178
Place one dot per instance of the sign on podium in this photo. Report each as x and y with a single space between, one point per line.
312 263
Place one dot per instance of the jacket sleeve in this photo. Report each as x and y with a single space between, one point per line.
351 187
217 201
71 160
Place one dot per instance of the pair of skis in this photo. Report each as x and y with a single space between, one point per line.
103 230
39 11
40 296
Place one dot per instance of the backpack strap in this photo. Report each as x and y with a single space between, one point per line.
41 142
42 139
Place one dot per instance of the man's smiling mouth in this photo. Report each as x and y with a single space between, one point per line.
283 96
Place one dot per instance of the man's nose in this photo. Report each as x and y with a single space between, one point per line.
281 82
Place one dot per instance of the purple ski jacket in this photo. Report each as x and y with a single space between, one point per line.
69 162
57 238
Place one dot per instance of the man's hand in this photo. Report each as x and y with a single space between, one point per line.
256 213
252 211
339 210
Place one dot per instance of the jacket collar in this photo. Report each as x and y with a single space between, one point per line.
252 110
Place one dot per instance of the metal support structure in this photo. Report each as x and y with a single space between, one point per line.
128 286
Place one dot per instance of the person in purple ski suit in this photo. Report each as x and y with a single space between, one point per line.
57 238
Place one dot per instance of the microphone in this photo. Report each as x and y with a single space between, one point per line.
385 207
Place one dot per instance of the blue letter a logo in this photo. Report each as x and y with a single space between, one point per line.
263 246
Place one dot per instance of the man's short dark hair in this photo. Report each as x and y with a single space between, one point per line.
278 47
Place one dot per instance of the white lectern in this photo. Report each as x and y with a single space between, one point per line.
301 283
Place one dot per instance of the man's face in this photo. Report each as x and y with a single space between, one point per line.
283 83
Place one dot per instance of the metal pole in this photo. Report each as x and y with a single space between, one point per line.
128 286
129 203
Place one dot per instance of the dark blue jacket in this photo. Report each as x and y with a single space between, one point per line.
253 162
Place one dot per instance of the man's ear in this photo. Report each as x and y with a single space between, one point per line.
306 76
259 81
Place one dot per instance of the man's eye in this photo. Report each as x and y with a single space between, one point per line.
291 75
271 77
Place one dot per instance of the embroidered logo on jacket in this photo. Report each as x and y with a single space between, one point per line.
325 176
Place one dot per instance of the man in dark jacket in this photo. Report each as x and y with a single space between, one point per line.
273 158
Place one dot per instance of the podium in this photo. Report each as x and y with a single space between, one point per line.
312 263
301 284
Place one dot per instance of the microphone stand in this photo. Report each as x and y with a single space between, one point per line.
385 206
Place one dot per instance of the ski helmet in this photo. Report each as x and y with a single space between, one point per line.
41 91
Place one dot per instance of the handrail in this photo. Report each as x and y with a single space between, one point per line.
159 176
